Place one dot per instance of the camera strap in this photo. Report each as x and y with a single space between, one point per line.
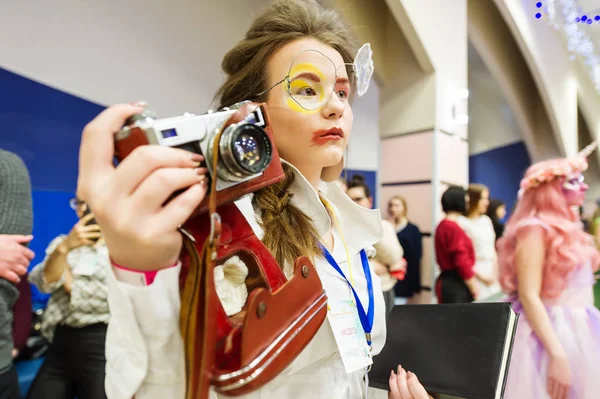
199 298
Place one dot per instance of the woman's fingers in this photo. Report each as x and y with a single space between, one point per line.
560 391
403 384
179 209
394 390
406 385
551 388
90 236
84 220
91 228
415 387
145 160
162 183
97 147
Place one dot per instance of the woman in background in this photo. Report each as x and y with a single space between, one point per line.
454 252
388 257
75 321
546 264
479 228
410 239
496 212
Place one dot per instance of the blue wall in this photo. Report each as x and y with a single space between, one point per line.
43 126
501 169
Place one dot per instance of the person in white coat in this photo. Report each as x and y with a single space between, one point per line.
311 118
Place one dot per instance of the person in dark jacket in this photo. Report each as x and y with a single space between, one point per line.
16 223
496 212
410 239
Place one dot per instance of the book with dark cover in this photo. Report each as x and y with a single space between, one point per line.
461 350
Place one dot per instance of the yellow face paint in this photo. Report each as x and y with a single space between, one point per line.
307 89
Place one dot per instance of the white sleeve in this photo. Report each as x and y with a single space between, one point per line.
465 225
389 250
144 348
36 276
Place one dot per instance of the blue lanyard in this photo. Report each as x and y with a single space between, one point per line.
366 319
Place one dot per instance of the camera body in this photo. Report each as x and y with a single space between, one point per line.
247 157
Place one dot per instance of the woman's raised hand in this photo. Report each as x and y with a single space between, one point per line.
128 201
81 234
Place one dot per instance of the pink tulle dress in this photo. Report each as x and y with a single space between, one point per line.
577 324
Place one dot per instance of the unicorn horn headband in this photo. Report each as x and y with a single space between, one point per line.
580 162
588 150
577 163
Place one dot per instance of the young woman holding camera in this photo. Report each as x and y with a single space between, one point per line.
311 117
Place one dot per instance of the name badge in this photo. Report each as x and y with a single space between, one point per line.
349 335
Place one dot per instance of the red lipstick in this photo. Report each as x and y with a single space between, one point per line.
321 137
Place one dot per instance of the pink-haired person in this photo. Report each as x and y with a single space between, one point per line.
547 265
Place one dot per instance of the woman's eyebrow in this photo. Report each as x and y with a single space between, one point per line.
308 75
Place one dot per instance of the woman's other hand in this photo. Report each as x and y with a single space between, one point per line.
402 265
472 286
128 201
559 377
489 281
406 385
81 234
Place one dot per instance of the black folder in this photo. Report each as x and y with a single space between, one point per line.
461 350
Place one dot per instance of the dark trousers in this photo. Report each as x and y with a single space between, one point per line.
389 297
74 366
451 288
9 384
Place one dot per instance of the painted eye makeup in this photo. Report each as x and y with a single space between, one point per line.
313 78
573 183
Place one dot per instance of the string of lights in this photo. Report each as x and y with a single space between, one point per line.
567 13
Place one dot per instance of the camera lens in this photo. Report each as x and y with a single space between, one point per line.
245 150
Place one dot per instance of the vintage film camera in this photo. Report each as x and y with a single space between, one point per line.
248 158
